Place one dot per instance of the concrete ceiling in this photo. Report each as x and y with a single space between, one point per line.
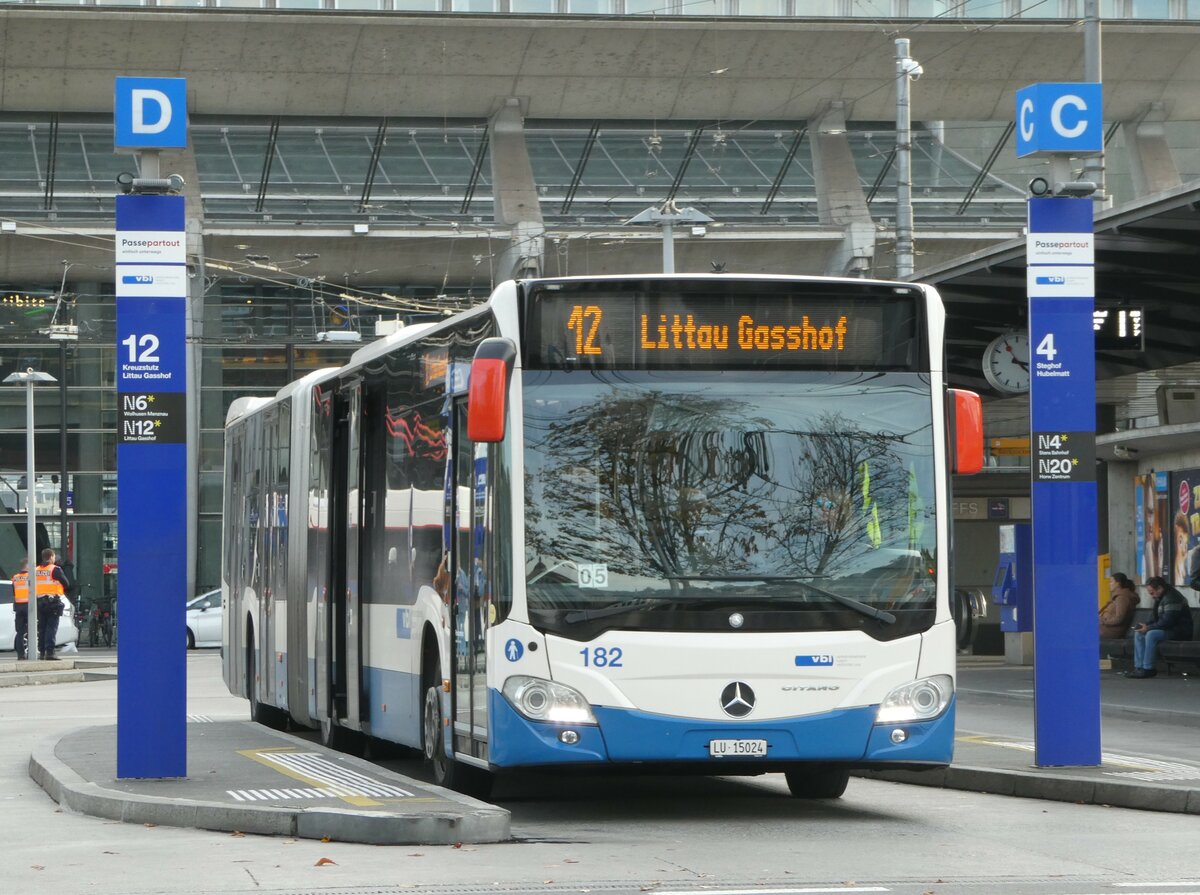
286 63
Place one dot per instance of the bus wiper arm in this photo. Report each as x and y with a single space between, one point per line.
857 605
881 615
587 615
742 577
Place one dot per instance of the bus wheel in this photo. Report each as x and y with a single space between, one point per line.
818 782
446 771
443 766
260 712
332 736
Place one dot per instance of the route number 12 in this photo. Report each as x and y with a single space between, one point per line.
149 349
585 342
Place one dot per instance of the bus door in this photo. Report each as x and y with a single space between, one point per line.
470 591
342 653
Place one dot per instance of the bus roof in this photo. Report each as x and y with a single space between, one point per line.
243 407
722 276
387 343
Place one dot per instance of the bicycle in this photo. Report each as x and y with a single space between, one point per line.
101 627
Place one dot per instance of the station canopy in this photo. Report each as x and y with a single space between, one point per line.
588 174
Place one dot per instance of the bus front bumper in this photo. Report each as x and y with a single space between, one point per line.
627 736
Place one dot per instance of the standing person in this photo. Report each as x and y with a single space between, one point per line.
1118 611
52 586
1172 620
20 585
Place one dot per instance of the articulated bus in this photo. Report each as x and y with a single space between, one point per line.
675 523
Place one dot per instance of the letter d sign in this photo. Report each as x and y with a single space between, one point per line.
150 113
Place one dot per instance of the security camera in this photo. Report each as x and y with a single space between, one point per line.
1039 187
1078 189
912 68
150 186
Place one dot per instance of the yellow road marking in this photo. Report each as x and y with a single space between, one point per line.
261 757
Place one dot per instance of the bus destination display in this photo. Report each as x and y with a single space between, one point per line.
636 331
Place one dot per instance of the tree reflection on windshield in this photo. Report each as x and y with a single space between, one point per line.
727 486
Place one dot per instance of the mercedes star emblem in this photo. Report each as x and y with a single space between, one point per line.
736 620
737 700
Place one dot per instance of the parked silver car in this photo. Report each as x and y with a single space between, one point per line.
204 620
68 634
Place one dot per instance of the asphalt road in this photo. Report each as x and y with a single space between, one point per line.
602 835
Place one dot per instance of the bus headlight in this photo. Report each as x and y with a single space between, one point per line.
916 701
541 700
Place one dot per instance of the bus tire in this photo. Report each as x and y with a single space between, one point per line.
433 722
341 739
817 782
260 712
446 771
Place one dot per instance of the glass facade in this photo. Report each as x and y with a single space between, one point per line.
1145 10
261 321
257 338
739 173
261 326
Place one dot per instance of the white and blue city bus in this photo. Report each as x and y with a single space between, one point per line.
688 523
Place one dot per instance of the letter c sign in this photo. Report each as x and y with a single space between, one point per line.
1025 119
150 113
1059 118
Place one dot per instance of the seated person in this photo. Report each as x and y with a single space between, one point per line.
1171 620
1118 611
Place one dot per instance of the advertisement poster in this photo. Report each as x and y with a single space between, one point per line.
1184 497
1150 496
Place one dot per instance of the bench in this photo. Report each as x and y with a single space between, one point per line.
1171 653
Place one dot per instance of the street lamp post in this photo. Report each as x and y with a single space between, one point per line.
62 332
907 71
29 377
667 216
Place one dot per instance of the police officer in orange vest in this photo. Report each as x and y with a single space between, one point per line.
52 586
20 586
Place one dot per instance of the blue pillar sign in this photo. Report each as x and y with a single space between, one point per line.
151 287
152 519
1062 411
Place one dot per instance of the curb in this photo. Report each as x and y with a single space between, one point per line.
22 679
1065 788
477 822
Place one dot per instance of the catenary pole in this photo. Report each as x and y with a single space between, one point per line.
31 644
904 210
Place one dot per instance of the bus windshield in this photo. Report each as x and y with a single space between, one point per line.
679 492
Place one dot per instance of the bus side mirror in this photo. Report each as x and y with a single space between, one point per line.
965 414
487 400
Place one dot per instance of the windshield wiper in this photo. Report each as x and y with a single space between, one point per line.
587 615
857 605
742 577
